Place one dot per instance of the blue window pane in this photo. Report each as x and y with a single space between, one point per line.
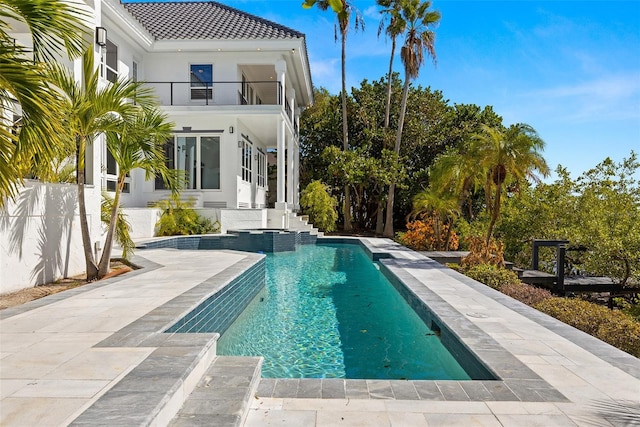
201 74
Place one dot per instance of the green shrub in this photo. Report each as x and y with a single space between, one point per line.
179 218
320 206
613 327
491 275
524 293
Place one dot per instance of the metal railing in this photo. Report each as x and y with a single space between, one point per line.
218 93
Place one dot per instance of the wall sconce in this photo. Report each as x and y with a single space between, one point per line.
230 129
101 36
239 144
255 156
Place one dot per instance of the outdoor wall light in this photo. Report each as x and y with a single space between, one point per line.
101 36
239 144
230 129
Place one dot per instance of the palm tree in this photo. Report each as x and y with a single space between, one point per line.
55 27
391 13
418 38
443 206
456 172
91 109
343 11
507 156
137 142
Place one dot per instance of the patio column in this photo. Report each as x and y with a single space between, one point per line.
281 165
296 175
290 172
281 70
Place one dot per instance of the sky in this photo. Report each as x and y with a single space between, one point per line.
570 69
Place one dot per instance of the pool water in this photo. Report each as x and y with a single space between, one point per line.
327 312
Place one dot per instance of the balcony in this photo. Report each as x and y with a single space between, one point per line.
219 93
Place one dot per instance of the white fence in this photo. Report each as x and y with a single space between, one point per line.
40 238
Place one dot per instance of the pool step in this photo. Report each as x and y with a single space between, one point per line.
223 395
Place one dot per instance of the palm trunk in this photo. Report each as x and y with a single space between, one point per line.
105 260
494 213
388 226
90 264
345 135
387 113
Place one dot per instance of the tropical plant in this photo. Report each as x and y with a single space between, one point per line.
419 37
179 218
320 206
507 156
423 235
55 28
122 233
90 109
343 10
137 142
443 208
492 275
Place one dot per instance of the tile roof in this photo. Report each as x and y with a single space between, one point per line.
205 20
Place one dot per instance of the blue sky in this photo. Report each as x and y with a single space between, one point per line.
570 69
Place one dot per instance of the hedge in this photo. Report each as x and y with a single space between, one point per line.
614 327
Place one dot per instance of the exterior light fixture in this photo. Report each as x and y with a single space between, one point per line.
239 144
230 129
101 36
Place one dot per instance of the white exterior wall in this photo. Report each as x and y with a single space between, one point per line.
40 239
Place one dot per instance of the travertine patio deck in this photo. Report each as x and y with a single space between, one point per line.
61 354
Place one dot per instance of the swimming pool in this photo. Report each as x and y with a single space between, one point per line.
328 312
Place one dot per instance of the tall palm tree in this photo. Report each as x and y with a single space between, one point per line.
419 37
91 109
55 28
343 10
507 156
137 142
396 26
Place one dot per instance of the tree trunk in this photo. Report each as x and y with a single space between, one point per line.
388 222
105 260
495 212
380 219
345 135
388 226
387 113
90 264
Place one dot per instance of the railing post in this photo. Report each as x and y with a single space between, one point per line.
534 264
171 90
560 255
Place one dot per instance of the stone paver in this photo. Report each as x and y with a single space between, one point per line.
67 356
53 368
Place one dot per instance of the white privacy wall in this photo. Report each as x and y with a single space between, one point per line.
40 238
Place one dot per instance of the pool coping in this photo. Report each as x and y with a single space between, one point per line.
148 331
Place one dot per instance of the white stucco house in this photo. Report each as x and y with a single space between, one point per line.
233 84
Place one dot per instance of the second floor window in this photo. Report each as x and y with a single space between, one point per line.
201 79
112 62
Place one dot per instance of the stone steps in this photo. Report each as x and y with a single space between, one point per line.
223 395
301 223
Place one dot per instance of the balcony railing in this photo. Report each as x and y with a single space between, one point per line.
218 93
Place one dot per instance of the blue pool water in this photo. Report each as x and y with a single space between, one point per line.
327 312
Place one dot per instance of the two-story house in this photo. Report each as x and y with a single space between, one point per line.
232 83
